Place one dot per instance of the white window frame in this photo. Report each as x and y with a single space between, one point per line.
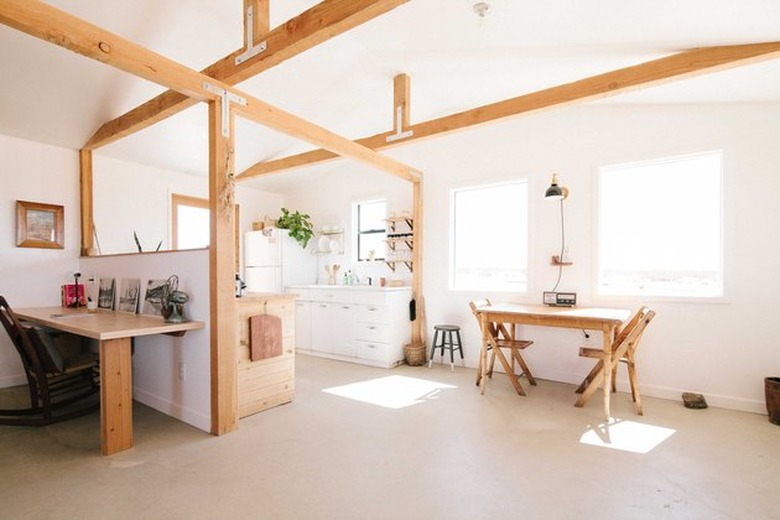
656 296
453 283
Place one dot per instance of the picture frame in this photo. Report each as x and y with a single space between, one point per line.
107 293
129 294
40 225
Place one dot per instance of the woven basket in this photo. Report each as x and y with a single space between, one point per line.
415 355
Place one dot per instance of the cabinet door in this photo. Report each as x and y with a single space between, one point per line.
303 325
322 326
343 327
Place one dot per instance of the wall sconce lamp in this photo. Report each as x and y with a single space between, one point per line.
556 192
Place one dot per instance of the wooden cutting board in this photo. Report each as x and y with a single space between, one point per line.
265 337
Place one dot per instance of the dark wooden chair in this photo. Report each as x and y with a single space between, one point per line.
500 336
623 351
61 373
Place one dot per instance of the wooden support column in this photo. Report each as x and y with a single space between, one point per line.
87 213
418 325
224 336
401 96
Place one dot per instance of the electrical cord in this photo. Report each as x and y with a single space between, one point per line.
563 249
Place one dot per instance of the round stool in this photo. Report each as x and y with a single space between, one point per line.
443 339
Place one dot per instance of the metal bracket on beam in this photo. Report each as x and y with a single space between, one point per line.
252 50
399 121
226 97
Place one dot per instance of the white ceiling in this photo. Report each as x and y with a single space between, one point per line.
456 61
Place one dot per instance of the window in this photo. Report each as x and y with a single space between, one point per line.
191 222
371 230
660 227
489 230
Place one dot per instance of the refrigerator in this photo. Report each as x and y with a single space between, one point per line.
273 261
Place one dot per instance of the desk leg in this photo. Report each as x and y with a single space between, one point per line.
482 369
116 397
607 359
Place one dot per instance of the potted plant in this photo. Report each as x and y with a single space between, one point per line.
298 225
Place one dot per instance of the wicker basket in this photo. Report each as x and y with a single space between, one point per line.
415 355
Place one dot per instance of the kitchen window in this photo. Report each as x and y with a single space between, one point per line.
489 237
661 227
371 230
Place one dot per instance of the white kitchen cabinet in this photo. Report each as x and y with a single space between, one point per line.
302 325
360 324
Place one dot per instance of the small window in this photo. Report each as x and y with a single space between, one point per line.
371 230
489 231
660 227
191 223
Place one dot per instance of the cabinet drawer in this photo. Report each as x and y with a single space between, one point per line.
372 351
331 295
373 332
374 314
368 297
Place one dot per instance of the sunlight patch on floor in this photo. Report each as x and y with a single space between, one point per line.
627 436
391 392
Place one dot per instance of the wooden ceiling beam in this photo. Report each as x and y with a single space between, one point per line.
48 23
316 25
670 68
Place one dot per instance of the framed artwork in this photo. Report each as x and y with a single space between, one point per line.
129 292
107 293
153 297
40 225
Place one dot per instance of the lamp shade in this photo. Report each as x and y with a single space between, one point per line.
555 192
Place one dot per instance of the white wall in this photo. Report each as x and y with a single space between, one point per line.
38 173
131 197
722 350
157 359
330 203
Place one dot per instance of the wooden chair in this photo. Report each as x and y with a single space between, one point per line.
623 351
60 373
500 338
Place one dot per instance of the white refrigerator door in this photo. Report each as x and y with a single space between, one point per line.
263 279
261 249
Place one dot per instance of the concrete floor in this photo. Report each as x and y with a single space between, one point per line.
435 449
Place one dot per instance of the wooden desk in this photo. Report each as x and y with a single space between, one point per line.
608 321
114 331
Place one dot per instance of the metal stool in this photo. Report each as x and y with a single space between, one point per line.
442 339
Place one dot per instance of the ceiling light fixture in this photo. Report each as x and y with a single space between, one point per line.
481 9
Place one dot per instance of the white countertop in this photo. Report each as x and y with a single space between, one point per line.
377 288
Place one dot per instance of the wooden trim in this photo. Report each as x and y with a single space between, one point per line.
223 312
316 25
87 204
50 24
664 70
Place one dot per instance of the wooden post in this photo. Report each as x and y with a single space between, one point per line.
418 331
224 378
260 21
401 92
87 213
